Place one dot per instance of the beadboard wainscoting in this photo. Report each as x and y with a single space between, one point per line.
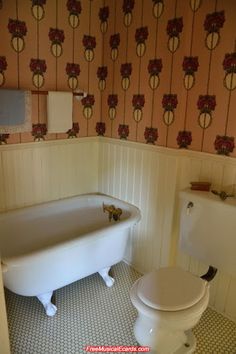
140 175
150 177
145 175
34 173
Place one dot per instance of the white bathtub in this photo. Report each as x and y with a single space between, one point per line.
48 246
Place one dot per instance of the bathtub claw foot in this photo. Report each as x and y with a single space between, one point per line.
51 310
45 300
109 281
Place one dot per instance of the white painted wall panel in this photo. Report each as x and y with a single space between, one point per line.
148 180
39 172
147 176
230 303
4 335
2 185
220 171
150 177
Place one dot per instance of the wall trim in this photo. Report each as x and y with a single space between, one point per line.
47 143
170 151
126 143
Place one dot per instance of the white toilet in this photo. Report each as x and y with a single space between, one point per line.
170 301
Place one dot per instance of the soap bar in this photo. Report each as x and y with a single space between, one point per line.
200 186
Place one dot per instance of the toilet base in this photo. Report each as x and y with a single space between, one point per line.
188 348
163 340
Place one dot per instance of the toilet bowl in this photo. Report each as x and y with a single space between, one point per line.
170 302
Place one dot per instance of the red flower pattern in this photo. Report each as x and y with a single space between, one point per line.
169 102
123 131
38 2
38 66
224 144
72 69
112 100
3 64
88 101
138 101
128 6
74 7
102 72
115 40
206 103
89 42
184 139
39 130
56 35
141 34
174 27
150 135
155 66
126 70
104 13
17 28
72 133
100 128
190 64
3 138
214 21
229 63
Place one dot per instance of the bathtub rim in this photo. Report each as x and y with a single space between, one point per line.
134 218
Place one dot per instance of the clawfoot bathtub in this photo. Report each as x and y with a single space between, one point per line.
48 246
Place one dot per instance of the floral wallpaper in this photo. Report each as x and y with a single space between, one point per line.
159 72
175 76
52 45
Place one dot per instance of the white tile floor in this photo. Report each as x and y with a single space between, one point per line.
89 313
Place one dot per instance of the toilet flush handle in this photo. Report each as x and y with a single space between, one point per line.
189 207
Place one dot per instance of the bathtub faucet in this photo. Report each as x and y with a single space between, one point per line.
113 212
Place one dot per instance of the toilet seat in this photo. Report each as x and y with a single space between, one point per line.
171 289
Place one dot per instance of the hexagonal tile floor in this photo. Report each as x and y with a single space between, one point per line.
89 313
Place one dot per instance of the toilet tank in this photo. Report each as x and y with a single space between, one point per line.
208 229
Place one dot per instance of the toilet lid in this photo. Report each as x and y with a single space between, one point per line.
170 289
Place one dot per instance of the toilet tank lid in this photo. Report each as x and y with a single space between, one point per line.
171 289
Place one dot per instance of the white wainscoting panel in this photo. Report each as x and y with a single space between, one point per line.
221 172
147 176
150 177
143 177
38 172
4 334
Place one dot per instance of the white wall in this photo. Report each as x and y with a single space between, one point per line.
139 175
150 177
4 340
37 172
